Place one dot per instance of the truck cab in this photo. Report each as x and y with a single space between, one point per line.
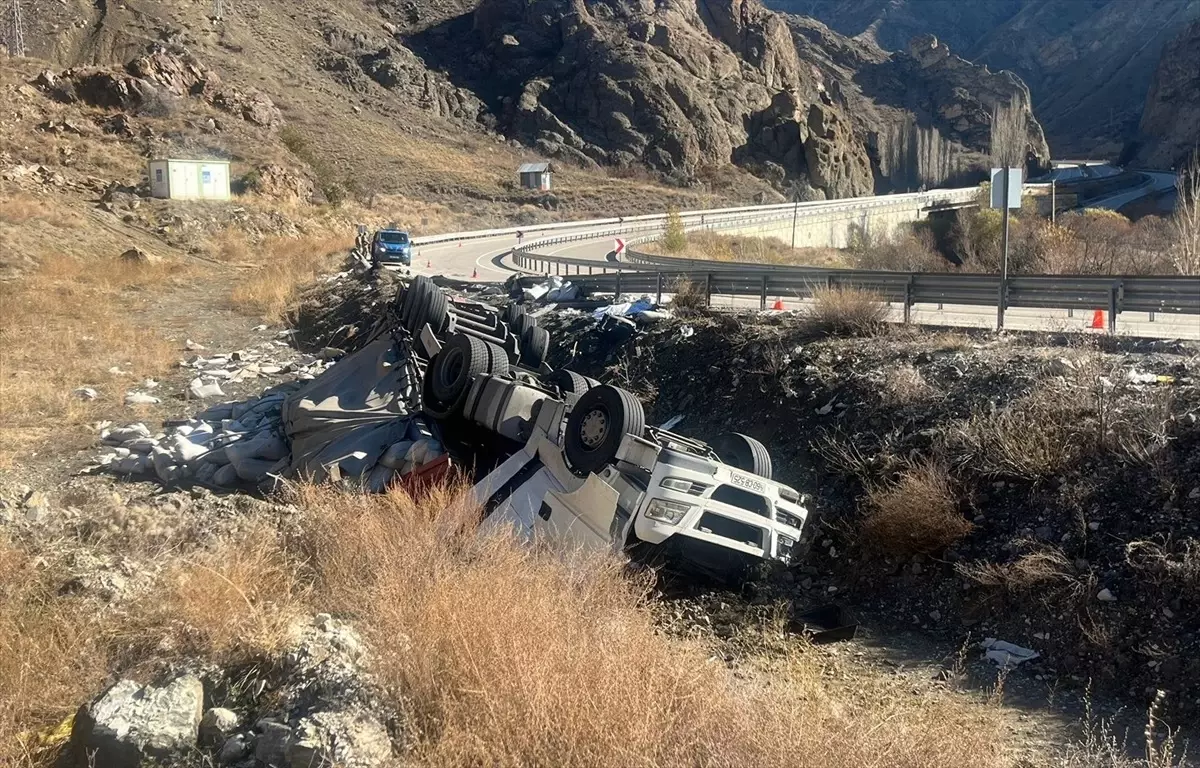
391 247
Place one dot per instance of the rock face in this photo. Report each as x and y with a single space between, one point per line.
1087 64
399 69
130 723
1170 127
148 81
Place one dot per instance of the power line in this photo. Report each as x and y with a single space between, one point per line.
14 30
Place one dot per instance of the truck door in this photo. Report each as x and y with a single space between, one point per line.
584 519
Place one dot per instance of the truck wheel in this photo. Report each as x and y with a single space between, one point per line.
497 360
512 312
535 346
570 382
521 324
597 424
414 296
461 360
437 312
744 452
430 404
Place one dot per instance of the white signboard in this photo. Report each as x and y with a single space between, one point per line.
1014 187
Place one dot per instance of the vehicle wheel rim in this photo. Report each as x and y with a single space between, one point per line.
594 428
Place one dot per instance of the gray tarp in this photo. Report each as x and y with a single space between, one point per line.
341 422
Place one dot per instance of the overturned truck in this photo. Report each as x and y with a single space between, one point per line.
557 454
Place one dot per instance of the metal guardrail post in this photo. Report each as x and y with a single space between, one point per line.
1113 303
617 296
658 288
762 295
708 289
908 301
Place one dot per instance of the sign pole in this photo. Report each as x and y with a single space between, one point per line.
1053 204
795 213
1003 260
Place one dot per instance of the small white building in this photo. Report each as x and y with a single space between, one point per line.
190 179
535 176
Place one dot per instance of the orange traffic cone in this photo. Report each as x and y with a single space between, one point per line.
778 305
1098 319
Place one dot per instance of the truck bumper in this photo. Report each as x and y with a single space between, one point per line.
691 556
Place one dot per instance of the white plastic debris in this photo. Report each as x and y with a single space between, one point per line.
1006 655
1106 596
193 346
86 393
140 398
202 390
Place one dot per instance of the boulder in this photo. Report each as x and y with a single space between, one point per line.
217 725
138 256
352 739
131 723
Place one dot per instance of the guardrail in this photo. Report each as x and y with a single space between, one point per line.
1116 294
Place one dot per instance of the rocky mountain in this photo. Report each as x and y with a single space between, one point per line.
683 88
1170 127
1088 63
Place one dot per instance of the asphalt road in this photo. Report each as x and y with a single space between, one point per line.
486 260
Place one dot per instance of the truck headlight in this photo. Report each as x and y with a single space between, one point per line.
670 512
784 549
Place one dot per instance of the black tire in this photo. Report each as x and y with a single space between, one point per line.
413 297
521 324
535 347
460 361
437 312
744 453
597 424
417 310
430 404
512 312
497 361
570 382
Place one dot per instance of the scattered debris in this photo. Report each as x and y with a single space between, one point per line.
86 393
134 397
1006 655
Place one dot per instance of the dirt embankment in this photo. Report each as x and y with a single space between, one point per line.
1041 490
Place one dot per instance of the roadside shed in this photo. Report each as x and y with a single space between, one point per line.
189 179
535 176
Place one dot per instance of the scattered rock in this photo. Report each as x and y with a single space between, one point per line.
339 738
138 256
131 723
217 725
86 393
1106 596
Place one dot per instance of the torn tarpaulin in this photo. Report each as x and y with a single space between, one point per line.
625 309
1006 655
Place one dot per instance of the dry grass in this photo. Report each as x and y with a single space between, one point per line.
52 654
1174 563
1032 570
286 266
63 327
844 311
24 209
904 385
917 515
506 655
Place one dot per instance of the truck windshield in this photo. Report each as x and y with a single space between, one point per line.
736 497
394 238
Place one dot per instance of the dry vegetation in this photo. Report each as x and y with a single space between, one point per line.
284 267
918 514
844 311
497 654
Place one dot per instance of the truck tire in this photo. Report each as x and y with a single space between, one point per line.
437 312
512 312
460 361
522 323
430 404
497 361
414 296
597 425
570 382
744 453
535 347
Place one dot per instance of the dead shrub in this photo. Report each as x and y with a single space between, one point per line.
904 385
1036 569
1168 561
916 515
844 311
688 296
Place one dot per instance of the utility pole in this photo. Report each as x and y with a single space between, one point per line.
1053 204
14 30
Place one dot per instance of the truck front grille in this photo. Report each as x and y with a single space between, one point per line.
731 529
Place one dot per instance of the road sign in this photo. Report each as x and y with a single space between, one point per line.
620 247
1013 189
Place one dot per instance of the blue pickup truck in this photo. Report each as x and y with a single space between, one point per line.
391 247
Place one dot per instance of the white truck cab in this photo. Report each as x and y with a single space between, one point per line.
659 493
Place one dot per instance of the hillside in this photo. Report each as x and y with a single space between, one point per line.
1170 127
1087 64
443 101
